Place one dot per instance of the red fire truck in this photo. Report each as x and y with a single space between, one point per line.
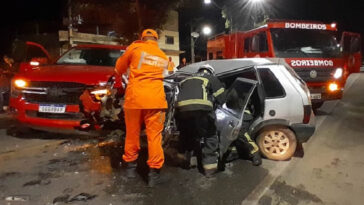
311 48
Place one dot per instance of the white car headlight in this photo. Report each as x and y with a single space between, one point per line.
338 73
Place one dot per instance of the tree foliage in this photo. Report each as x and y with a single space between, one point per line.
126 17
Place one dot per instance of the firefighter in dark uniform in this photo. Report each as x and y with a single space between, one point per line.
244 141
196 118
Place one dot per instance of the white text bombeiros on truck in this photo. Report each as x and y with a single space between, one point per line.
306 26
321 63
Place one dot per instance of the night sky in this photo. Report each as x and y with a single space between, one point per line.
23 16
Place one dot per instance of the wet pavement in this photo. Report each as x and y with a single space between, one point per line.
42 168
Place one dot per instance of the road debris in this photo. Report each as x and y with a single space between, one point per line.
17 198
82 197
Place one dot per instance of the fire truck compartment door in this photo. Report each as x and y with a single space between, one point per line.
351 44
230 115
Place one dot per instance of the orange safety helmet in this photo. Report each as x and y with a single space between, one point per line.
150 33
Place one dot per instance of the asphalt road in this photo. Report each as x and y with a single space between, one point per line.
41 168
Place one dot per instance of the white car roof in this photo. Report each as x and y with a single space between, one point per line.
222 66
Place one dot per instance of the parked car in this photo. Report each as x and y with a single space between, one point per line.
49 97
277 97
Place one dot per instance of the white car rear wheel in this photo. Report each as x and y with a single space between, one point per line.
277 143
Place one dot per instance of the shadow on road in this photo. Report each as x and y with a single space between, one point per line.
320 112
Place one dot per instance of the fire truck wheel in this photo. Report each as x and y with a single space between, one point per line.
277 143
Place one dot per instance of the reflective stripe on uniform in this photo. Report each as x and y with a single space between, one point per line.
210 166
194 102
141 60
252 143
219 92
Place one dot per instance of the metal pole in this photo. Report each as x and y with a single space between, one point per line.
70 27
192 45
192 49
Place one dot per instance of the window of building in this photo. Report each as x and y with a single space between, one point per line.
271 85
170 40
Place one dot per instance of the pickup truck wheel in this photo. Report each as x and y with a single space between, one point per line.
277 143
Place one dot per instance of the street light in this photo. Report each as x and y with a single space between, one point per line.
207 1
256 1
206 30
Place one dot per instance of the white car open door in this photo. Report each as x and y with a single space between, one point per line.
230 116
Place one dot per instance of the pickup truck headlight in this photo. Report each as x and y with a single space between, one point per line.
20 83
17 86
338 73
100 93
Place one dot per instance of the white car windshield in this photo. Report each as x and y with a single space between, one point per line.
91 56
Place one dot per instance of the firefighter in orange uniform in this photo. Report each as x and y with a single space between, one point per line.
145 102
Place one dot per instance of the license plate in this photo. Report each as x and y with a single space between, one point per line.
316 96
52 108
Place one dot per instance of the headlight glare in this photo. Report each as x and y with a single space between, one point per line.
333 87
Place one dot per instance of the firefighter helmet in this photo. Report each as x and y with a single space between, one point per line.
207 68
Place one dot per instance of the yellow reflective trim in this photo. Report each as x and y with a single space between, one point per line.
210 166
247 112
194 102
252 143
219 92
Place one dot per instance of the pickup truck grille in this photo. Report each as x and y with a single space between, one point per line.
54 92
322 74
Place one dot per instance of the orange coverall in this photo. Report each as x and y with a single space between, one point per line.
145 99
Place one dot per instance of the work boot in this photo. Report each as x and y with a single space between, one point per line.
183 161
131 169
155 178
256 159
209 173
